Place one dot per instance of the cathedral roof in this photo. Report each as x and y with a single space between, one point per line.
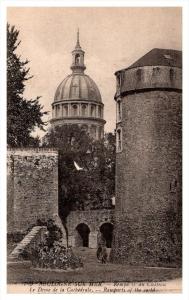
77 86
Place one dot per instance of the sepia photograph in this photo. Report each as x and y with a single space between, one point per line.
94 150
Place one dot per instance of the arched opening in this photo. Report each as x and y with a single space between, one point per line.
99 112
82 235
74 110
58 111
106 230
83 109
93 110
65 110
77 59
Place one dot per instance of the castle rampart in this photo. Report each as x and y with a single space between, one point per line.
32 187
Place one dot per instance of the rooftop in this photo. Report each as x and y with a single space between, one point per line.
159 57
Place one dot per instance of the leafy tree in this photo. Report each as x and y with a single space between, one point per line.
94 185
23 116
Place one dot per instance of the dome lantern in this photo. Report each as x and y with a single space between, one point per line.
78 58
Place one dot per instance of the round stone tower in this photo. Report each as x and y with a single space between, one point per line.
77 99
148 161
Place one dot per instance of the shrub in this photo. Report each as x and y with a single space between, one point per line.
15 237
49 252
54 257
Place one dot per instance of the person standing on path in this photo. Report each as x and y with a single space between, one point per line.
104 255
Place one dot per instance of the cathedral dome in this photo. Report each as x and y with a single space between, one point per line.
77 86
77 99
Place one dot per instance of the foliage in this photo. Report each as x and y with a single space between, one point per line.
15 237
23 116
56 257
93 186
55 233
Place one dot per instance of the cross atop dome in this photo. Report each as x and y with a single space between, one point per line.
78 57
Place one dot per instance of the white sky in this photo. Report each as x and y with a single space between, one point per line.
112 38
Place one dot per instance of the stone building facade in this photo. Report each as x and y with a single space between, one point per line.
32 187
149 161
78 100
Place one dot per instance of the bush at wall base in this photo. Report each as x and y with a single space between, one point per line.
55 257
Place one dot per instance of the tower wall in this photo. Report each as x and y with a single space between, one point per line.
149 168
32 191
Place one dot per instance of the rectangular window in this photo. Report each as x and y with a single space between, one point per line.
119 110
119 139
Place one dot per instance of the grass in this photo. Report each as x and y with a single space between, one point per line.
92 272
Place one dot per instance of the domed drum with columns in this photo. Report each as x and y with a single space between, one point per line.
77 99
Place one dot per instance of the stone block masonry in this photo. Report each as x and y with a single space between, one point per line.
149 167
147 239
93 220
32 187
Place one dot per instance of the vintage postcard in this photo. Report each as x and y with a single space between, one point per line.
94 157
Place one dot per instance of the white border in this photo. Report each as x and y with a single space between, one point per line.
95 3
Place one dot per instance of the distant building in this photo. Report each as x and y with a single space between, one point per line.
149 161
77 99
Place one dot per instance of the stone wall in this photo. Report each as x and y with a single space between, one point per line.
151 239
93 219
32 191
